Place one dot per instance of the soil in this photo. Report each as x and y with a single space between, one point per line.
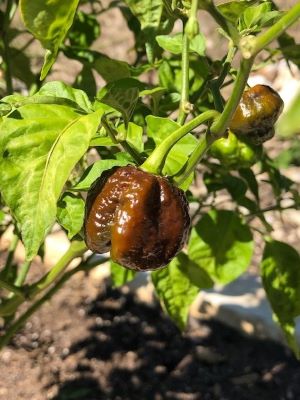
104 343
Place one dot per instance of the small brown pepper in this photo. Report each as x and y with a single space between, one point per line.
255 116
140 217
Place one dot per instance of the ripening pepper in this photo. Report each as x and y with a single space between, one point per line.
139 217
234 153
255 116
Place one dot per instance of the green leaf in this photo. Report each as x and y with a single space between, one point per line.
289 48
122 95
2 216
134 136
222 245
253 19
21 66
281 278
61 90
85 30
4 109
109 69
54 92
49 21
95 170
236 187
148 12
153 21
252 15
160 128
233 9
289 156
70 213
173 44
39 147
187 182
248 175
85 80
120 275
175 289
289 122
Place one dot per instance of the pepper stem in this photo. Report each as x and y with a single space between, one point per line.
156 160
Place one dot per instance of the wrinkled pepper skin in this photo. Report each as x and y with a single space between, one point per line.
234 153
139 217
255 116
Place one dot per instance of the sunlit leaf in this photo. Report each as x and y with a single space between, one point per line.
221 244
39 147
120 275
175 289
281 279
70 213
49 21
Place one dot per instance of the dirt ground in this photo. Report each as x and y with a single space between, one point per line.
93 342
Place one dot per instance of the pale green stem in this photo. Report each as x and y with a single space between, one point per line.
221 124
11 288
23 273
183 110
76 249
155 161
204 143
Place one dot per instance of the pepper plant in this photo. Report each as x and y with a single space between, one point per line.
165 114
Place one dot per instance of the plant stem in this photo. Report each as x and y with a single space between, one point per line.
12 288
264 39
183 110
112 134
203 145
76 249
10 256
22 273
130 150
221 124
155 161
4 340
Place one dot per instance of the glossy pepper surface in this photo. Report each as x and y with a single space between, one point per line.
255 116
234 153
139 217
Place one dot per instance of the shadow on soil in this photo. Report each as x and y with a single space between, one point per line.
134 352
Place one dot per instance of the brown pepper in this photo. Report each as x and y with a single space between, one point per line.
140 217
255 116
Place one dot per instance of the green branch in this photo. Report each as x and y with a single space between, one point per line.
184 101
204 143
221 124
156 160
22 273
76 249
12 288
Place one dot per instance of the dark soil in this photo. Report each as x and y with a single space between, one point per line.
94 343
